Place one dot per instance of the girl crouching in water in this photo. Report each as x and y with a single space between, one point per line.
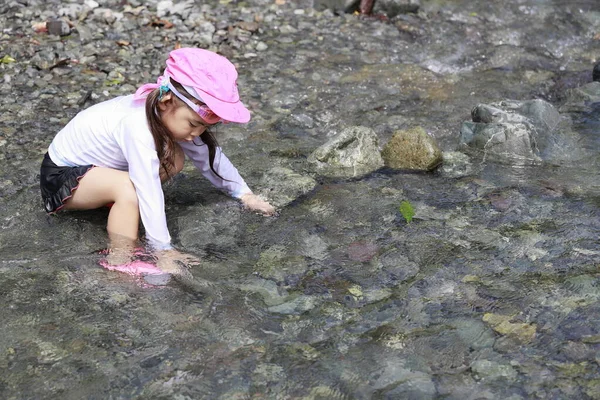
120 151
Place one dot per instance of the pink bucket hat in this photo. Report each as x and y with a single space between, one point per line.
209 77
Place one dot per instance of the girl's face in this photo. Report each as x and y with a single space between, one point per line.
183 122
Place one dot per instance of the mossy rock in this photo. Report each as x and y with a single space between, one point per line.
412 149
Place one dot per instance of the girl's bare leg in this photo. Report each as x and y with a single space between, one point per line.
101 186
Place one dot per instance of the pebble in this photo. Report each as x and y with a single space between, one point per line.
91 4
158 280
261 46
58 27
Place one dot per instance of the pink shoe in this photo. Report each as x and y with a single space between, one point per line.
135 267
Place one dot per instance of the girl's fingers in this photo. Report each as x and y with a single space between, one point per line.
255 203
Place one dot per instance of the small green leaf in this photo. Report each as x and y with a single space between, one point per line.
407 210
7 59
114 78
113 82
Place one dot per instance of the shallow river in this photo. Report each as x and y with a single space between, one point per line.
490 292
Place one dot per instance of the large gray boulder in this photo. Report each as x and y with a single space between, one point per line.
352 152
515 130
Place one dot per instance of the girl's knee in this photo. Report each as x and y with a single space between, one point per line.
126 193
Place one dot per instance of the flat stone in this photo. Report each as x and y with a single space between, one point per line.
283 185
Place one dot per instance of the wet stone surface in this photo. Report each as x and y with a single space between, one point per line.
490 290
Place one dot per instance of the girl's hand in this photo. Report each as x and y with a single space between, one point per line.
255 203
173 261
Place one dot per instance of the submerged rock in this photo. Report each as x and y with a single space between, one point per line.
412 149
490 370
351 153
456 165
397 268
399 381
277 263
271 294
299 305
522 332
158 280
283 185
579 99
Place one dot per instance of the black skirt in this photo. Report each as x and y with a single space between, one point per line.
59 183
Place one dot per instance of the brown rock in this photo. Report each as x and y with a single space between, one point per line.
412 149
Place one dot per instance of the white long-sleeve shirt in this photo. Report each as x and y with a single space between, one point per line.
115 134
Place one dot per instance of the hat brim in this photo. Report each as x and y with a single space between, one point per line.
231 112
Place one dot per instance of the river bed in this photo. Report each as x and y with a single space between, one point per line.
490 291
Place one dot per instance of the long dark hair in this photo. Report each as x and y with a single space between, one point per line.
163 141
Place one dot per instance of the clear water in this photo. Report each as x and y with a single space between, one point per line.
491 291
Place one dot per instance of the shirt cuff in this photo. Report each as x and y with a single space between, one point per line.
159 246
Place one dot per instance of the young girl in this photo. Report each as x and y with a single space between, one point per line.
120 151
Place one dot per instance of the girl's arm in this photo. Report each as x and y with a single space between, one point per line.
233 183
143 165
